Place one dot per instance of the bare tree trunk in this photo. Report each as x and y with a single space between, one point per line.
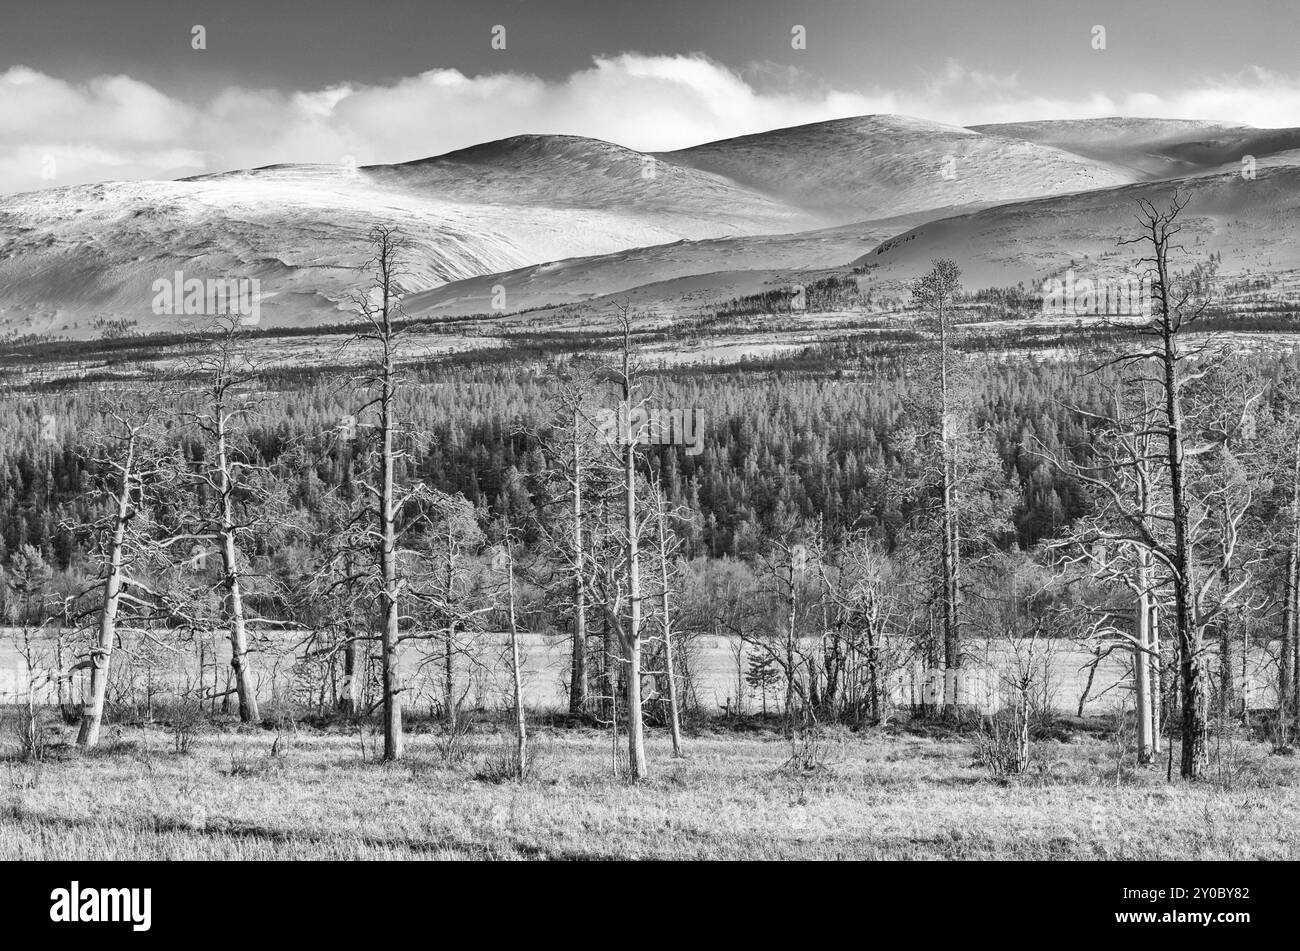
1227 661
350 697
673 722
611 676
248 709
873 672
521 727
632 647
611 652
1294 638
101 653
790 642
631 529
1195 755
63 682
1147 720
635 728
248 712
578 669
388 566
1157 679
1142 662
389 634
1287 671
951 553
1291 622
450 701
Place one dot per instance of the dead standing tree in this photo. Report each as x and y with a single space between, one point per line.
516 668
1111 545
630 629
1170 318
503 560
379 307
667 546
227 403
575 473
578 573
1228 473
130 464
1171 365
1288 678
623 429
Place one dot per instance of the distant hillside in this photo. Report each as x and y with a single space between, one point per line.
1254 224
1152 148
559 220
879 166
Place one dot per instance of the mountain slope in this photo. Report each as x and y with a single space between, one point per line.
1254 224
559 220
1152 148
71 258
878 166
564 171
722 267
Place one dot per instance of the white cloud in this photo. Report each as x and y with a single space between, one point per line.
116 127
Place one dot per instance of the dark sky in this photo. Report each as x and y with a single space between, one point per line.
852 43
111 89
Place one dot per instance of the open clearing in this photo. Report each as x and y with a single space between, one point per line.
883 794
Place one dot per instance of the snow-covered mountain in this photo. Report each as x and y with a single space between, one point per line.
879 166
564 219
1155 148
72 258
1254 224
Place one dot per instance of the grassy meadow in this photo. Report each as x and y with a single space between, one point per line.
893 793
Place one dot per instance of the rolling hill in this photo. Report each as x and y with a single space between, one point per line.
1153 148
1253 224
710 269
560 220
880 166
72 259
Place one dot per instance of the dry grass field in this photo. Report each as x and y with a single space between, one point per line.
884 794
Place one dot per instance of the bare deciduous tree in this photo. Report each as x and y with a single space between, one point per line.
124 538
380 309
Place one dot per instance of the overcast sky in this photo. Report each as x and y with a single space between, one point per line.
97 90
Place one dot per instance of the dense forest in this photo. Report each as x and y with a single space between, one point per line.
775 445
879 499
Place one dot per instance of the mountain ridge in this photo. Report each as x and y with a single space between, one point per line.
579 218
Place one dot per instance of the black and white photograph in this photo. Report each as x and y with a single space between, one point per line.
689 431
